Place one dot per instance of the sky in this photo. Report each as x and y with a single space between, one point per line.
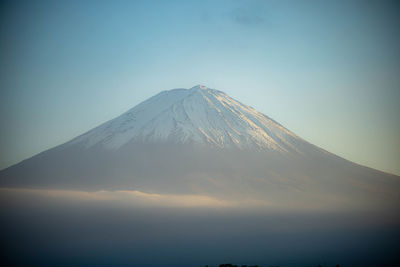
326 70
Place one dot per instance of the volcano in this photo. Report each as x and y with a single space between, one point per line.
201 141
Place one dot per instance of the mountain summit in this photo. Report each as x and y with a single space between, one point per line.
199 115
201 141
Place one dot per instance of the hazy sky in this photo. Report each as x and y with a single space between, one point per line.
327 70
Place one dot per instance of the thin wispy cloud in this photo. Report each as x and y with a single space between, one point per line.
122 197
250 14
135 199
247 17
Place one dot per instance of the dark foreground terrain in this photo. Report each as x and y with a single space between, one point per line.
46 230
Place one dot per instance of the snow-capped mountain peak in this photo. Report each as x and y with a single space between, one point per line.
199 115
199 87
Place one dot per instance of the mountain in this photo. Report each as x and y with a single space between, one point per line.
201 141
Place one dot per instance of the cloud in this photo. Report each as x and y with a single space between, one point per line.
135 198
246 17
250 13
124 197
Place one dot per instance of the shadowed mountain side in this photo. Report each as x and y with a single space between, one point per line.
318 179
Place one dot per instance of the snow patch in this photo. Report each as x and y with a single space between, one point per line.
199 115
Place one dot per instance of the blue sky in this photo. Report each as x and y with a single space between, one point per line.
327 70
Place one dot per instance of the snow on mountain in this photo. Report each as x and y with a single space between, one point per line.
199 115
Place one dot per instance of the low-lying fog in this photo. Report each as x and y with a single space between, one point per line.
132 228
